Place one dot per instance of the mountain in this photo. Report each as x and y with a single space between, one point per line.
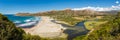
86 12
110 10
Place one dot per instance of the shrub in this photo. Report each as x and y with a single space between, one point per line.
8 31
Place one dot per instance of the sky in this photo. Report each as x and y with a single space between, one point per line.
33 6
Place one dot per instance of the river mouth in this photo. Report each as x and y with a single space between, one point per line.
74 31
78 30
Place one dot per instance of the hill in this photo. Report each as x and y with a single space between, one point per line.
86 12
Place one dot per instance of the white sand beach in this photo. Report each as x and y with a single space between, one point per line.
46 28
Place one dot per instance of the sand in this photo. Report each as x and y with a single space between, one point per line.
46 28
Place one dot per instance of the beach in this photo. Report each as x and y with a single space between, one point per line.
46 28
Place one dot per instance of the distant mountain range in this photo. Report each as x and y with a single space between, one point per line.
77 12
111 10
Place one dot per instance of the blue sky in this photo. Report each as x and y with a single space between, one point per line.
15 6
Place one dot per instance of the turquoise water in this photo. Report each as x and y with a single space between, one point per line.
23 21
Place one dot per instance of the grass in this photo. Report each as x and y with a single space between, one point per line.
91 24
68 19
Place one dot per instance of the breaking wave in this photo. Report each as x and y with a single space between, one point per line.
28 22
17 22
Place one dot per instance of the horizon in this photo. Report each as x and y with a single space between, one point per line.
33 6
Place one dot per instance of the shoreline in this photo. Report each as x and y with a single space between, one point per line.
46 28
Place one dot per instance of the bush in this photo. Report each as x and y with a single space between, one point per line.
79 37
8 31
31 37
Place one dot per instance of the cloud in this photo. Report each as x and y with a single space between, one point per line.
92 8
117 7
117 2
99 8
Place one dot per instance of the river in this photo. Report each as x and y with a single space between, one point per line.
74 31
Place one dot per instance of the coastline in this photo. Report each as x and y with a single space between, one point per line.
46 28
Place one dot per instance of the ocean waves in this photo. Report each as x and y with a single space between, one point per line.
28 22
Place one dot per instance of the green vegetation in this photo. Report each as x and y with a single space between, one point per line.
54 39
79 37
91 24
106 31
31 37
68 19
8 31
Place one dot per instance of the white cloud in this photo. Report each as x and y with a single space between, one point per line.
117 2
99 8
92 8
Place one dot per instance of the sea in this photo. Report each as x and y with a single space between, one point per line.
23 21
